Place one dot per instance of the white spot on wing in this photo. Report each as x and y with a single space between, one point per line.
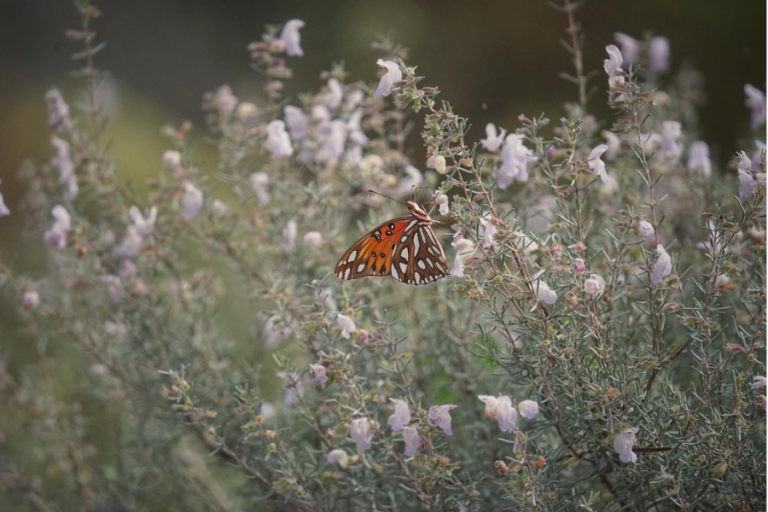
394 272
421 265
429 261
416 244
404 238
403 267
404 253
421 234
417 276
410 225
346 274
360 267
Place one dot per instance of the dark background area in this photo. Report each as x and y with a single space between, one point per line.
493 60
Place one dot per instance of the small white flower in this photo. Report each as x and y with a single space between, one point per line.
441 200
528 409
493 140
413 178
225 101
506 415
63 162
698 158
275 329
144 226
131 244
297 121
645 228
614 145
491 402
390 78
334 135
597 165
543 292
313 239
594 286
278 141
245 111
614 61
291 38
412 441
755 100
172 159
31 299
220 208
191 201
488 232
671 147
268 410
327 300
758 382
438 163
290 232
630 47
361 433
57 235
663 266
3 208
402 415
319 372
260 185
335 94
515 158
339 457
658 54
346 325
440 416
464 249
623 445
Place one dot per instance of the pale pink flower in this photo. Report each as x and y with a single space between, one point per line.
402 415
515 158
630 48
63 162
3 208
191 201
464 249
671 147
278 141
361 433
505 414
313 239
528 409
390 78
412 441
594 286
758 381
275 329
220 208
291 38
440 416
297 121
493 140
441 200
614 145
596 165
612 64
30 299
413 178
543 292
293 386
645 228
57 235
339 457
491 402
225 101
623 445
346 325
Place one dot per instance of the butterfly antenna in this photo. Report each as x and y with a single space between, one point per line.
384 195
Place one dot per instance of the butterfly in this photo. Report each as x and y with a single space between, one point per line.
405 248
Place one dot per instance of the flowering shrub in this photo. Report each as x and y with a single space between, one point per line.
598 344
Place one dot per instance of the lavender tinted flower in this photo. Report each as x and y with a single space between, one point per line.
339 457
623 445
278 141
402 415
698 159
144 226
505 414
191 201
30 299
58 111
128 270
597 165
334 95
63 162
275 329
671 147
346 325
438 163
493 140
645 228
594 286
297 121
220 208
515 158
332 146
361 433
260 185
441 200
313 239
114 288
578 265
293 386
225 100
290 232
658 54
319 373
464 249
630 48
543 292
758 381
612 64
663 266
528 409
412 441
57 235
491 402
488 228
440 416
131 244
291 38
390 78
755 100
614 145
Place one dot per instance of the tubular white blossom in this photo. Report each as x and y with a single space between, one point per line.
57 235
278 141
275 329
506 415
346 325
671 147
515 158
402 415
412 441
612 64
297 121
441 200
440 416
361 433
291 38
698 158
335 94
390 78
464 249
758 381
191 201
493 140
543 292
528 409
144 226
225 101
58 111
663 266
31 299
597 165
623 445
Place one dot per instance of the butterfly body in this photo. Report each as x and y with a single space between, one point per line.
405 248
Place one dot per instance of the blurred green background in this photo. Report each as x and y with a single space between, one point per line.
493 61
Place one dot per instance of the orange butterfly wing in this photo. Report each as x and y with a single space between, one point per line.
403 248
